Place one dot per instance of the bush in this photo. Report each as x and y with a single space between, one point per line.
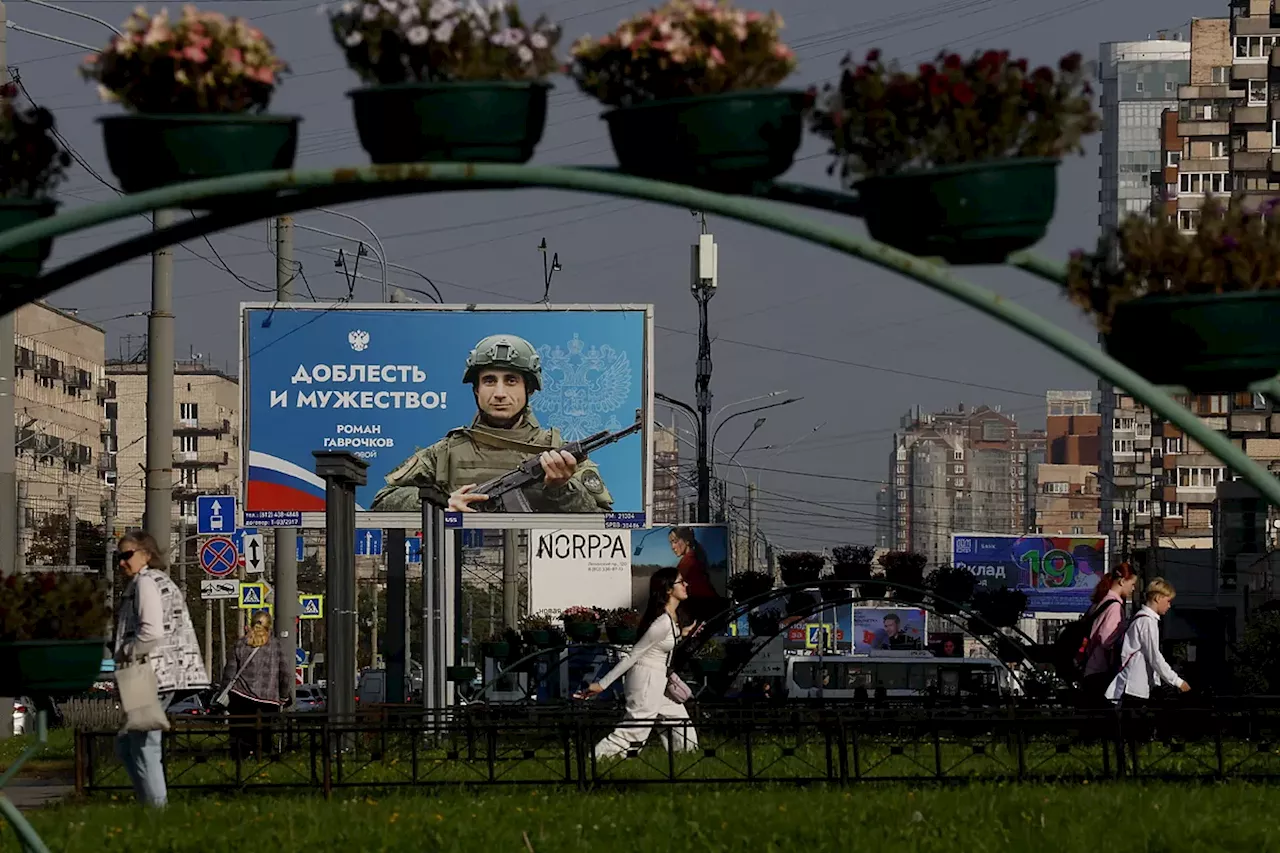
744 586
203 63
34 162
52 606
622 617
1001 608
905 568
438 41
801 567
953 586
580 614
852 562
681 50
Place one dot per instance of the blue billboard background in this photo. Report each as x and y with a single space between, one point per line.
1058 573
593 365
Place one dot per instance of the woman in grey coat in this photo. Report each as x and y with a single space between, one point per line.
260 678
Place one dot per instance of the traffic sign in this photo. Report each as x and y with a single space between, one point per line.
218 556
473 539
255 556
215 588
814 632
297 677
215 515
253 596
300 556
413 549
300 655
311 607
368 543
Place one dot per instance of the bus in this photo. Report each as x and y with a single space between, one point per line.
905 675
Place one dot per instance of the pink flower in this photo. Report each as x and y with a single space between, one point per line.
195 54
752 17
781 51
234 56
717 58
262 74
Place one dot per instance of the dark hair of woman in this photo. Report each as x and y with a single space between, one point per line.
660 586
143 541
686 534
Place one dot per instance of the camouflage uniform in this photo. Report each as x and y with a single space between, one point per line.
478 453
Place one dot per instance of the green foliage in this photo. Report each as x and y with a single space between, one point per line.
622 617
1258 655
882 120
52 606
32 161
954 584
744 586
50 545
1001 608
801 567
1236 248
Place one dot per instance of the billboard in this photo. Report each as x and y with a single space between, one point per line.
450 397
571 568
1058 573
699 551
888 629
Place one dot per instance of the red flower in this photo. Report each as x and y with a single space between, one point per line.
1043 74
953 61
963 94
937 85
1021 65
873 55
927 70
1070 63
991 60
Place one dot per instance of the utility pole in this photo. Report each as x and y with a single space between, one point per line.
71 531
108 570
182 556
751 527
703 285
157 516
10 541
286 539
20 559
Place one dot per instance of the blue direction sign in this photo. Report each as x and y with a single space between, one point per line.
238 537
215 515
272 518
300 655
473 538
368 543
413 549
311 606
218 556
300 557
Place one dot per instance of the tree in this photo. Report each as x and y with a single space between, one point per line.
50 543
1258 655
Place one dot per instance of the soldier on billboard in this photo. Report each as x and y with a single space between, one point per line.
504 371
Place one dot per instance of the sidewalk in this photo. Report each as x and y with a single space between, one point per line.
29 794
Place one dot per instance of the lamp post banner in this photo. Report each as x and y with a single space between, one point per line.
1058 573
450 396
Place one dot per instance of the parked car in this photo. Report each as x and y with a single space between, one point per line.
194 705
24 716
310 698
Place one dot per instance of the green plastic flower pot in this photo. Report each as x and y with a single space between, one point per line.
707 666
460 674
975 213
24 261
147 151
538 638
727 141
1225 340
583 632
621 635
471 122
49 666
497 650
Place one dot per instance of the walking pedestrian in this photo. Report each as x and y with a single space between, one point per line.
1106 633
257 680
1142 666
647 667
153 624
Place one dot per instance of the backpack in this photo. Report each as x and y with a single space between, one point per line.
1072 647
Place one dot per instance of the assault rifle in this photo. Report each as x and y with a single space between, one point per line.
506 493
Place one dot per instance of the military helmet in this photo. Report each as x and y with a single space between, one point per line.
505 352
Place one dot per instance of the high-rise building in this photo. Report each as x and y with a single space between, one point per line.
206 437
666 476
61 431
968 470
1068 486
1140 80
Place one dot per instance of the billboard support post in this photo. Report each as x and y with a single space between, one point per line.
285 540
433 568
510 579
342 473
397 626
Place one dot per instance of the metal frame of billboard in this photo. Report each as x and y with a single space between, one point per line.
1053 614
488 521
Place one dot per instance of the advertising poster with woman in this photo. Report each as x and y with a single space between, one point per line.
699 552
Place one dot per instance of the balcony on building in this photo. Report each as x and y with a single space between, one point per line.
1251 161
106 462
106 389
190 491
1198 127
200 458
23 358
48 368
1240 422
202 426
1249 114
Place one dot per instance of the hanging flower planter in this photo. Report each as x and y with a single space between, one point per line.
51 629
194 90
32 163
1218 296
694 97
499 650
621 626
445 81
959 159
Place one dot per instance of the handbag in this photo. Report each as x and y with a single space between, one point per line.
140 697
677 691
222 700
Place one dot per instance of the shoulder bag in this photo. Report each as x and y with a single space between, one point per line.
677 691
222 700
140 697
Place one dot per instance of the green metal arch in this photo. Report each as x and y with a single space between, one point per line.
287 191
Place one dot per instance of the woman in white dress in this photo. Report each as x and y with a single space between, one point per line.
646 669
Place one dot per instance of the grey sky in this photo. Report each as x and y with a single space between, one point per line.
786 314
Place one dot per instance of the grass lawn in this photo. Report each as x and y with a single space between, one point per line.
964 819
57 757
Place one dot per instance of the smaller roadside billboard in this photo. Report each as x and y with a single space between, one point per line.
888 629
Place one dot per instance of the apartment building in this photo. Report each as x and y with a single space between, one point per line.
666 476
1068 483
206 437
962 470
60 429
1140 80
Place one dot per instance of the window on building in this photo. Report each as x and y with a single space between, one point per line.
1218 148
1201 183
1172 509
1172 158
1139 85
187 508
1077 530
1057 488
1256 48
959 454
960 483
1144 507
1220 74
189 477
1275 134
1122 445
1257 93
1117 514
1200 478
189 411
1168 86
189 443
1077 514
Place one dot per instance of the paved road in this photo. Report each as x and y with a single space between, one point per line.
34 793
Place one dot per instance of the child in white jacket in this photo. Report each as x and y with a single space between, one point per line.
1142 666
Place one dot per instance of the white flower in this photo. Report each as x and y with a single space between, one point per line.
353 38
418 35
392 6
370 11
539 41
441 9
444 32
526 55
409 16
475 10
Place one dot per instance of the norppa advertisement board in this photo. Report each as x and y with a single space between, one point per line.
449 397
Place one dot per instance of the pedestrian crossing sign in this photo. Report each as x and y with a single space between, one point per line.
814 632
253 596
311 606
